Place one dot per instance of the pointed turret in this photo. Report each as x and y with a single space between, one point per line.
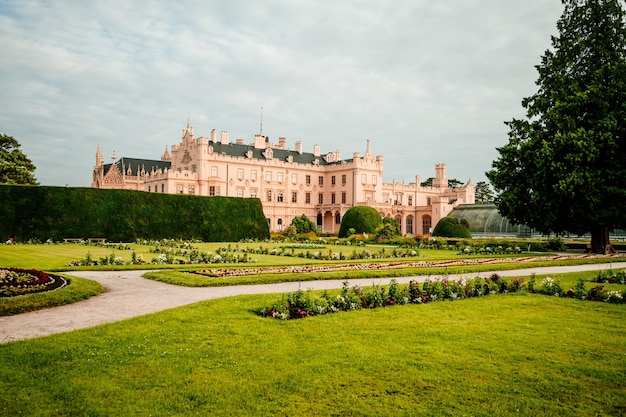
98 157
368 151
166 155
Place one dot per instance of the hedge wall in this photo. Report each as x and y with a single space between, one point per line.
122 216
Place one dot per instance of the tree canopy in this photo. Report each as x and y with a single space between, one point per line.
452 183
15 167
564 167
484 193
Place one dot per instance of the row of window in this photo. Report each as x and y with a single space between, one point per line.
280 177
156 188
397 199
280 196
269 195
215 190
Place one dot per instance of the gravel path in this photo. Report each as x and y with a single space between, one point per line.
129 295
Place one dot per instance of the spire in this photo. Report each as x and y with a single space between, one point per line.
98 157
166 155
368 151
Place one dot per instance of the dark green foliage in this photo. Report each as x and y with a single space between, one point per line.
452 183
484 193
556 243
15 167
303 224
387 232
452 227
564 168
363 219
393 223
121 215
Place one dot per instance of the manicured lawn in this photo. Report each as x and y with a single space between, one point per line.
497 355
56 257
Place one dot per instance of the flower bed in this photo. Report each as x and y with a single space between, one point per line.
379 266
16 281
301 304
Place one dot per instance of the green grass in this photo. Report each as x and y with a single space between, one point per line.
56 257
492 356
77 289
184 278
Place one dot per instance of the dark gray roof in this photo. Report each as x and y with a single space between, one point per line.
136 165
234 149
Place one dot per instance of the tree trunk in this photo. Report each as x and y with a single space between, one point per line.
600 242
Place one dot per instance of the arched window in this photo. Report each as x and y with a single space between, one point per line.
280 224
426 225
409 225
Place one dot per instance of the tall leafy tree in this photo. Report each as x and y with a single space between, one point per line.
564 167
15 167
484 193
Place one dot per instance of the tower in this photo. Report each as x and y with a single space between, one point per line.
98 157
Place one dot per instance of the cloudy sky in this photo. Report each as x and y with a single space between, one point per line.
426 81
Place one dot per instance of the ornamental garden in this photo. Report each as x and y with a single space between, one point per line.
438 345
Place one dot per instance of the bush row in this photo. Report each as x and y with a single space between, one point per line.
302 304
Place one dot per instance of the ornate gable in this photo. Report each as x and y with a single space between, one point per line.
113 176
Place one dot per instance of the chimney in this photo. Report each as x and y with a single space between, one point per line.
239 141
282 143
213 136
299 147
259 141
224 138
316 150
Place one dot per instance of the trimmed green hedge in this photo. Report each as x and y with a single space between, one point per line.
32 212
363 219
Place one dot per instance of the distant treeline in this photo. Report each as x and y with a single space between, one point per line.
33 212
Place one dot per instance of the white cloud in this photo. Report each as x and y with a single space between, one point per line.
428 82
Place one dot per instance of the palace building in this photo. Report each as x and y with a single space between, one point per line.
289 182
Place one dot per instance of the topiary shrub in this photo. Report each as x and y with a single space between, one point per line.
452 227
363 219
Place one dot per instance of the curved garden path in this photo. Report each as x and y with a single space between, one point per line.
129 295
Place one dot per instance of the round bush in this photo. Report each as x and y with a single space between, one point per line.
452 227
363 219
303 224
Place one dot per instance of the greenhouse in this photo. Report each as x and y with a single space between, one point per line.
485 220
